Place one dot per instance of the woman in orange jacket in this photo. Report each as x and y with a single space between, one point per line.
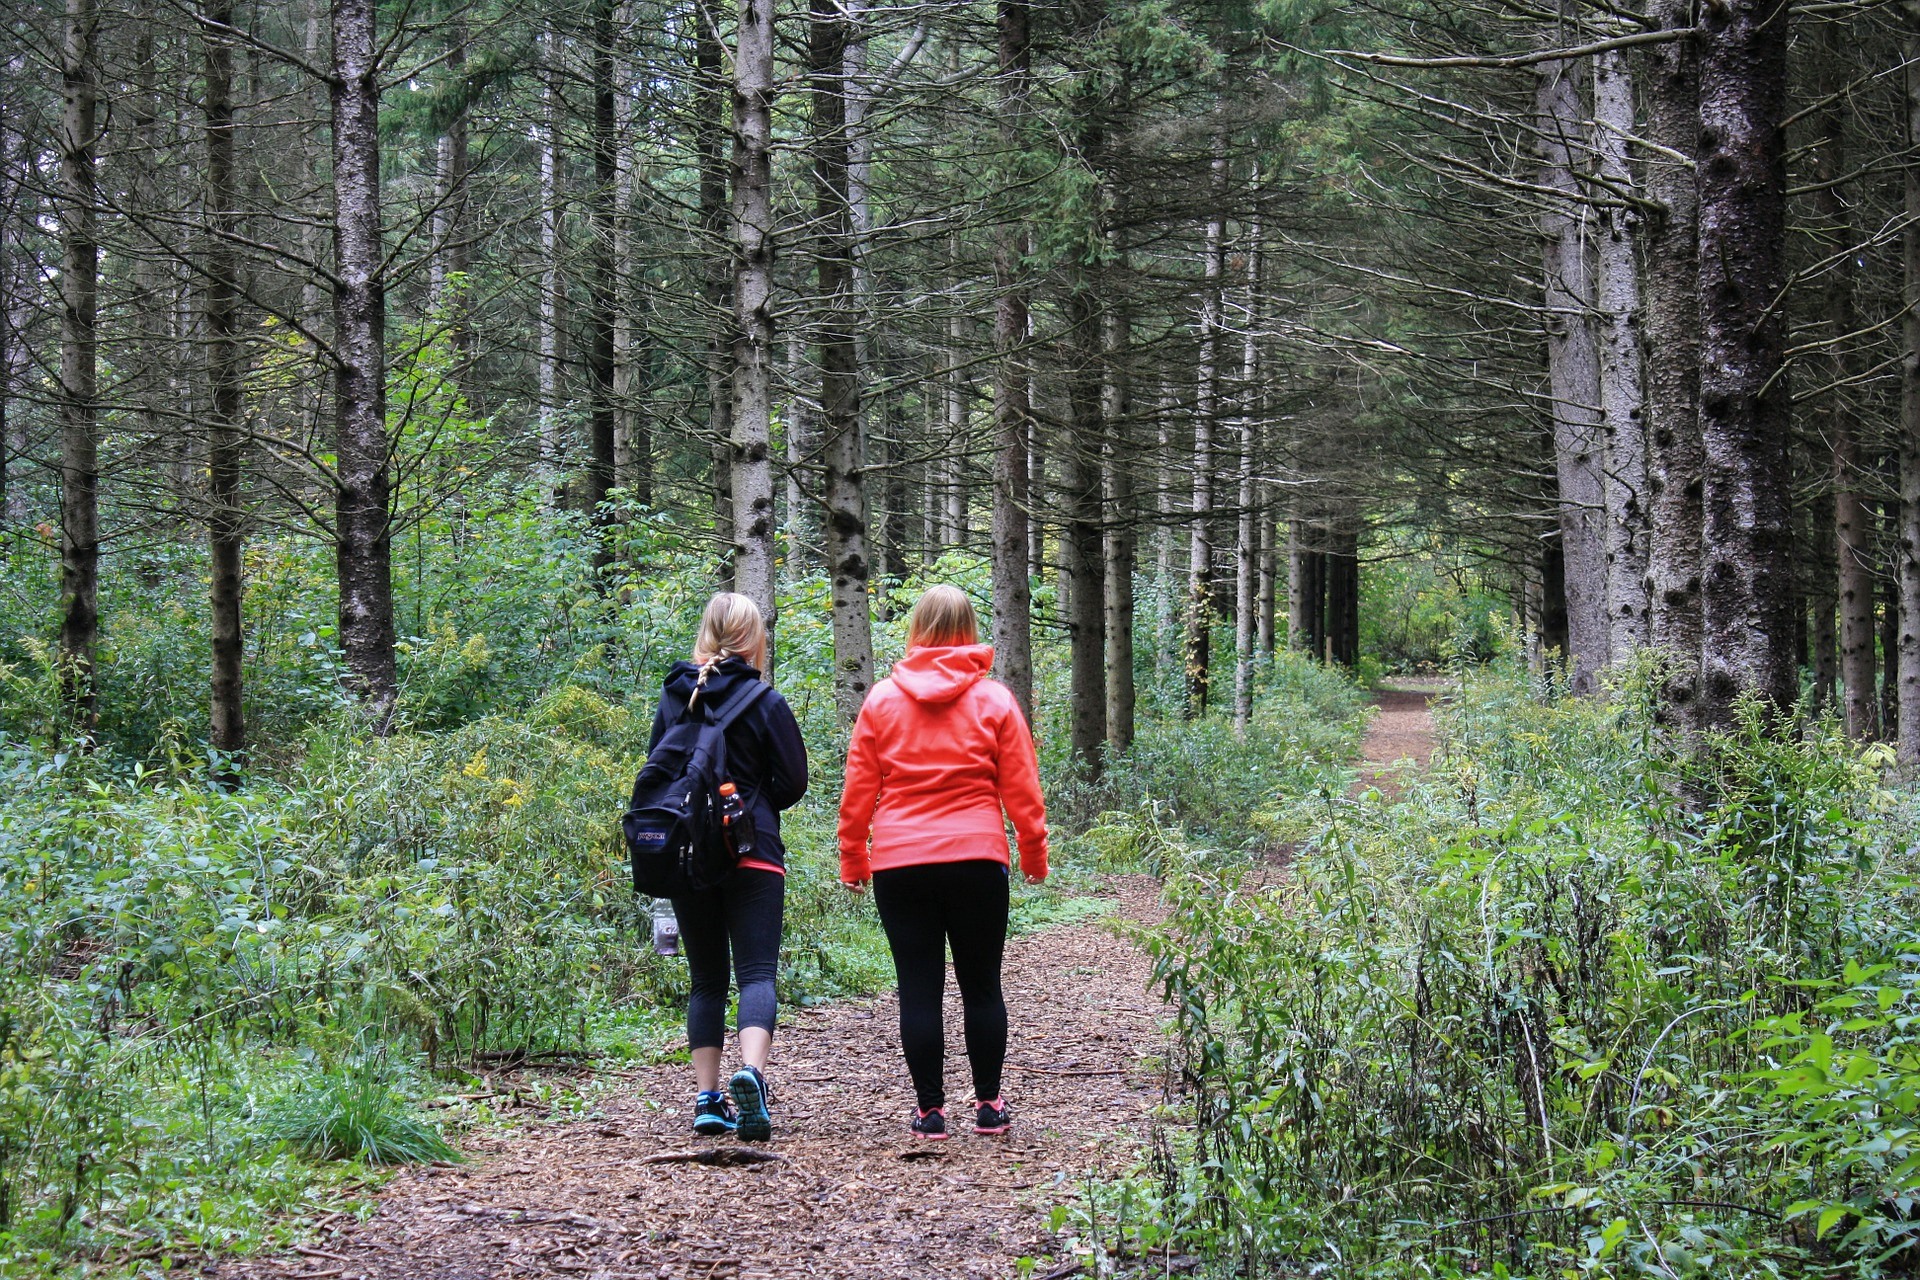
939 752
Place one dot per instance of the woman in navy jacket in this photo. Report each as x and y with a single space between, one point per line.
742 914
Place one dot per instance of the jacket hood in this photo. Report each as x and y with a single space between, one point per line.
942 673
727 679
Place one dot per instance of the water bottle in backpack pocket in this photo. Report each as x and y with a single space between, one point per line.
675 825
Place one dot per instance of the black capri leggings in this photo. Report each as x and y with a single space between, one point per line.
745 910
924 909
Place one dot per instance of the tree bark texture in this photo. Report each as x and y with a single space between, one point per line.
843 443
1012 410
1823 600
1083 540
1907 559
79 368
1622 380
709 144
1573 372
753 305
13 258
1747 597
1199 641
1673 362
226 375
552 280
603 275
1122 538
1246 534
633 430
1852 534
363 554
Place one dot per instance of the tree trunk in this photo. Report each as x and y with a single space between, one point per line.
1675 461
1573 373
1852 533
1907 559
1622 382
603 276
803 436
633 433
709 144
552 282
15 260
226 375
1122 536
79 372
1036 489
953 523
449 227
1206 405
1082 541
1823 573
1246 546
1012 411
1306 588
839 320
1889 703
753 306
1553 599
1269 581
1746 614
1343 598
363 553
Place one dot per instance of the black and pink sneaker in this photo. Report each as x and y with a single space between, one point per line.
992 1117
931 1123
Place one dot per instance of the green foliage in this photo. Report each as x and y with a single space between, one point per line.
352 1113
1539 1016
1418 611
1220 783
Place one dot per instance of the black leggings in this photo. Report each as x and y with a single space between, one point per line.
924 908
746 908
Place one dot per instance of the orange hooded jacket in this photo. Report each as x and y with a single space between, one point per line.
938 752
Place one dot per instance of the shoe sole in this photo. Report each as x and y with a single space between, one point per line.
930 1137
718 1128
988 1133
756 1124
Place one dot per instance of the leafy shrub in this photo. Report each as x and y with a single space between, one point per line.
1221 783
1536 1016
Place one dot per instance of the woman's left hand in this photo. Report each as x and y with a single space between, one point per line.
854 886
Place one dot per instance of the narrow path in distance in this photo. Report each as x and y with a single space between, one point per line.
851 1194
1399 733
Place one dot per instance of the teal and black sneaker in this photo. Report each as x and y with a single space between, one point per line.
751 1095
713 1114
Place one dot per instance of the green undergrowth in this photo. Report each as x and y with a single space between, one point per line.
222 1013
1579 1003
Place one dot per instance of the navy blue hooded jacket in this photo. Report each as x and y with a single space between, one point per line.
765 753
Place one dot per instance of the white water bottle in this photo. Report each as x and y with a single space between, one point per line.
666 929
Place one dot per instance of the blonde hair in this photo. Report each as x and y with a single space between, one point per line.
731 627
943 615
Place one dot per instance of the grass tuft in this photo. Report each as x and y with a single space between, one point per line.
353 1114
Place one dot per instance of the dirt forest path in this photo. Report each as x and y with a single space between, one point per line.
1400 739
623 1194
850 1195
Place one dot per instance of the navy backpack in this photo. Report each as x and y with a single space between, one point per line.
672 824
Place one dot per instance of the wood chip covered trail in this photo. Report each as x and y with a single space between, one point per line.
851 1194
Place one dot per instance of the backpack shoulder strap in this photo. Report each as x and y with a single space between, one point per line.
738 707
